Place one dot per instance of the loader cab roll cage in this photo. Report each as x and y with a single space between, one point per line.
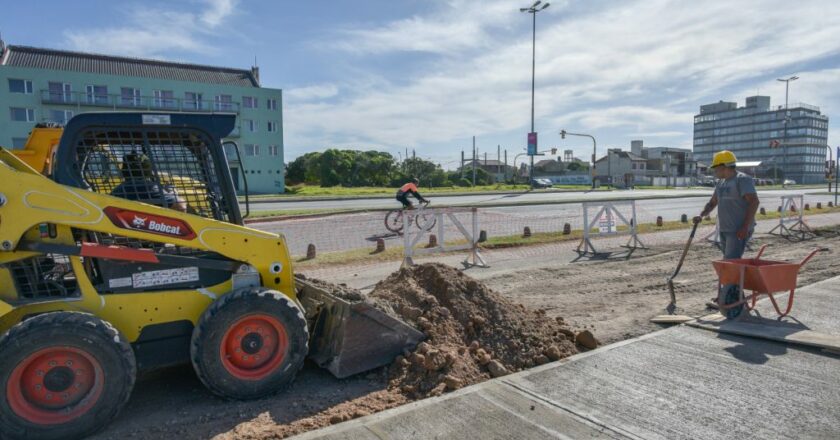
172 160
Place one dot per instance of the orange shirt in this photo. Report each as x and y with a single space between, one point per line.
410 186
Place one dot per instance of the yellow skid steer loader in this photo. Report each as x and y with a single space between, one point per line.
122 249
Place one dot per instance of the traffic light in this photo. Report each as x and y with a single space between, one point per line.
553 151
562 134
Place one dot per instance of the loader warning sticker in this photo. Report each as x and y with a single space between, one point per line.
154 224
119 282
164 277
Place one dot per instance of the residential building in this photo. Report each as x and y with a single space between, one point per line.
46 85
670 163
620 168
793 139
496 168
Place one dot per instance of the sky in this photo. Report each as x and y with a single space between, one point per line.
428 75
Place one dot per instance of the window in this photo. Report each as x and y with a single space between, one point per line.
273 150
21 114
250 125
272 127
192 100
271 104
20 86
130 96
224 103
163 99
60 116
96 94
252 150
18 142
249 102
59 92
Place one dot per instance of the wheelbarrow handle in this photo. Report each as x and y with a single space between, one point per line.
811 255
760 251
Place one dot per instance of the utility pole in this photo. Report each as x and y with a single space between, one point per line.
506 166
473 162
787 120
499 160
462 163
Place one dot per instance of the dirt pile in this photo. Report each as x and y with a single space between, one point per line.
473 333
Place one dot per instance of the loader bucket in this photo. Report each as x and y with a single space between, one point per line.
349 337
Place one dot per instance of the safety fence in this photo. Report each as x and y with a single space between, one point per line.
367 232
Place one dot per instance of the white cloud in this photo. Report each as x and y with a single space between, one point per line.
646 65
152 32
320 91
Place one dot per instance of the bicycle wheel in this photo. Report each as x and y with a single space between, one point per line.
426 221
394 221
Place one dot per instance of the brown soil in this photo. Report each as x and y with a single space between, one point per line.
473 333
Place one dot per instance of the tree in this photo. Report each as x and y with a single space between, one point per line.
305 169
577 166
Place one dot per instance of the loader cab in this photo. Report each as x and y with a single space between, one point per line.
171 160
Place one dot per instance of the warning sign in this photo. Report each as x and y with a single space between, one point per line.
606 224
164 277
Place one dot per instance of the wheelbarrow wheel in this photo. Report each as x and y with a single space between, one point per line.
732 294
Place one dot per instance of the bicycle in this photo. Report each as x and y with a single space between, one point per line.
394 219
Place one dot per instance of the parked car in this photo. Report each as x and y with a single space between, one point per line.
541 183
789 182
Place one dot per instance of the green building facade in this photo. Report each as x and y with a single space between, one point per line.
45 85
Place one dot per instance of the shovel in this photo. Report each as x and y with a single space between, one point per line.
673 305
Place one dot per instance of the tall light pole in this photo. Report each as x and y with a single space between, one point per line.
533 9
787 119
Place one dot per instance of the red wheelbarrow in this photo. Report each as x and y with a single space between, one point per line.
762 277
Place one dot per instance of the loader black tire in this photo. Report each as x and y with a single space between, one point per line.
63 375
249 344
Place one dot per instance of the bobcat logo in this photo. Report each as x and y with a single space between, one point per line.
139 222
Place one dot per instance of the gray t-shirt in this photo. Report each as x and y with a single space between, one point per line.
732 208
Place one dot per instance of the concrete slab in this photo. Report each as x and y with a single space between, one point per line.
812 321
681 382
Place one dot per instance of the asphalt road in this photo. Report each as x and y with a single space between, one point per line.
360 230
492 199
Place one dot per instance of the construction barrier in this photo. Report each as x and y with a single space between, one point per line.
606 220
419 223
791 221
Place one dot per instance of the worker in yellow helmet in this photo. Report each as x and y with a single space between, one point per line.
737 201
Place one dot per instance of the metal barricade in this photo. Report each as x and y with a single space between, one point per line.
605 220
792 215
420 223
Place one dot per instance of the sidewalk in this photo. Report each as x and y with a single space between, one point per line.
366 275
680 382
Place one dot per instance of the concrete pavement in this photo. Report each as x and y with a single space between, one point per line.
681 382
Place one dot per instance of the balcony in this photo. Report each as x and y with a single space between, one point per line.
119 102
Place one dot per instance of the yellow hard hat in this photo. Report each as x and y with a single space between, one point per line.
724 157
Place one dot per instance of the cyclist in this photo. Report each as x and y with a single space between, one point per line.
409 188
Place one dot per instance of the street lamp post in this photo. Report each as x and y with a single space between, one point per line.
787 119
533 9
564 133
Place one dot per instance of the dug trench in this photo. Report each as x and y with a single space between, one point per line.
474 332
